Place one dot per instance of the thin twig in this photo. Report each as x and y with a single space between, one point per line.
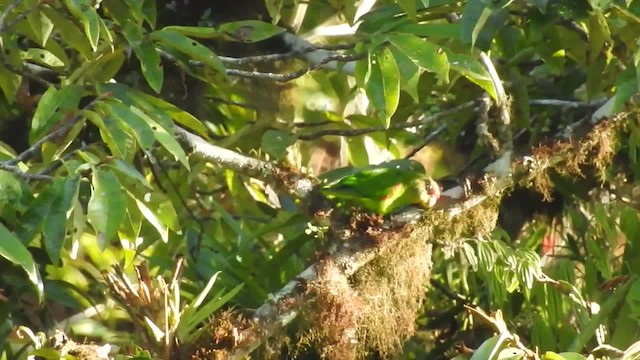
427 140
567 103
295 74
228 159
23 15
5 14
56 164
258 58
29 177
314 65
422 121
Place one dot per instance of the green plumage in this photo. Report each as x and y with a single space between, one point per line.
382 188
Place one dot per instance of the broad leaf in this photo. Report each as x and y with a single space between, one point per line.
424 53
189 47
391 82
13 250
107 205
54 228
149 57
47 113
250 30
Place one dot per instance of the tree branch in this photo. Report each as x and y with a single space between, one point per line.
422 121
35 148
283 306
256 168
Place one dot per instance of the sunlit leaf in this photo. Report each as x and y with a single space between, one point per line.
424 53
83 11
47 113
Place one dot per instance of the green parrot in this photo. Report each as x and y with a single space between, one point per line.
382 188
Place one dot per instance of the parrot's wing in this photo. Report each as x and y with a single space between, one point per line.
376 181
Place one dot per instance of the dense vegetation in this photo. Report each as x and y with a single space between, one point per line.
184 179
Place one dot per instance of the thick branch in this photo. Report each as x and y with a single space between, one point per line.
283 306
247 165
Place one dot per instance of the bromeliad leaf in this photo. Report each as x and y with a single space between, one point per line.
107 205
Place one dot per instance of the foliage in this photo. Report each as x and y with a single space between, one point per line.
99 184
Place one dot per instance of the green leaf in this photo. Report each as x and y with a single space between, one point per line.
10 189
166 139
437 30
189 47
54 226
87 15
107 206
132 119
474 16
150 12
195 31
488 348
153 220
117 139
47 113
409 73
41 25
424 53
180 116
511 353
162 208
149 57
43 57
471 69
250 31
68 31
13 250
274 8
375 88
276 143
409 6
391 82
206 312
9 83
129 171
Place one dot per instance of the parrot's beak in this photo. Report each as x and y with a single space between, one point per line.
434 191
